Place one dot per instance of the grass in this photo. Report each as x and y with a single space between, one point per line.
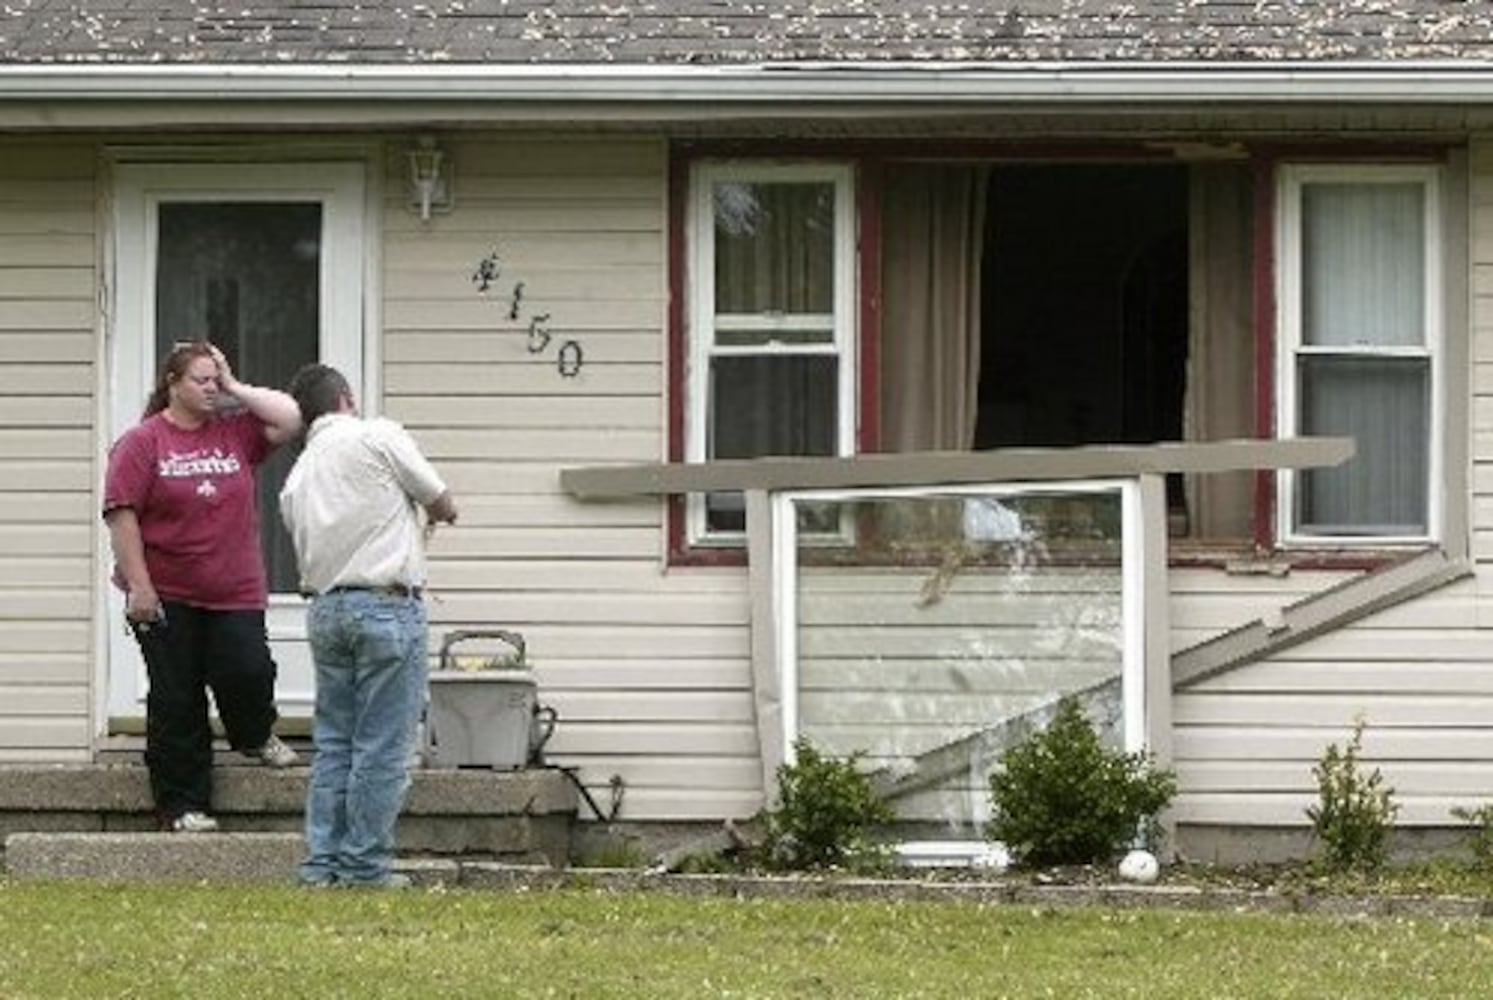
1442 877
60 940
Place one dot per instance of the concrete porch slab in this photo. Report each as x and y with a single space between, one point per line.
520 815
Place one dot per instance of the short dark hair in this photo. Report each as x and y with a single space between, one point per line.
318 389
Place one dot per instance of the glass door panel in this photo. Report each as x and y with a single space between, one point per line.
245 275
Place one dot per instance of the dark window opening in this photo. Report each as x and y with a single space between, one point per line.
1084 338
1085 332
1110 304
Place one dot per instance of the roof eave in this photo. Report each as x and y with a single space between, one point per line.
843 83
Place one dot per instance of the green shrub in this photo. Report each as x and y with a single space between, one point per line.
1355 809
1479 837
1062 797
826 813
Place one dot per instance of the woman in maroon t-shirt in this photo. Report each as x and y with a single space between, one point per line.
180 502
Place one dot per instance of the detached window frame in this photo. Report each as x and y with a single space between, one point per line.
769 337
1322 346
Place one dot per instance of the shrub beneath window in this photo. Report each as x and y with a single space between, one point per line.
826 816
1355 809
1063 798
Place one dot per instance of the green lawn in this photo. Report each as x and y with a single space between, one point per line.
79 940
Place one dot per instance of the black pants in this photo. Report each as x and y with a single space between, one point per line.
192 651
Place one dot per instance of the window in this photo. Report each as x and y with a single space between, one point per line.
1360 334
772 333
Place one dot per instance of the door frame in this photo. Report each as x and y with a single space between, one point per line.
346 188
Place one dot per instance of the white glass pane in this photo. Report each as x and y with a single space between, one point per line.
246 275
1363 263
953 627
774 247
1384 405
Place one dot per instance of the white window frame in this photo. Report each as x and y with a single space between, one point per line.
1291 348
703 323
785 568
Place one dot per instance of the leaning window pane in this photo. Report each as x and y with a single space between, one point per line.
934 668
1383 403
1363 264
768 405
774 247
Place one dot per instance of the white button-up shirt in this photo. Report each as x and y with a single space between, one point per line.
353 504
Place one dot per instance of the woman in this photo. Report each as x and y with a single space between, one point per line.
181 505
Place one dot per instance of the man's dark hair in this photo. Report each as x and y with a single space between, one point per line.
318 389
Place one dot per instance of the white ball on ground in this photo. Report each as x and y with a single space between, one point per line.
995 858
1139 866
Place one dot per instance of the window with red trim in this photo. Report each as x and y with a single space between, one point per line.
984 303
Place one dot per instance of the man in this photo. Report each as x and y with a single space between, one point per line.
353 505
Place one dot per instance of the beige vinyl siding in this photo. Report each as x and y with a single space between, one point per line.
1207 602
1481 239
649 670
1419 674
47 449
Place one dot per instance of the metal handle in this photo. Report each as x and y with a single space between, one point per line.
512 638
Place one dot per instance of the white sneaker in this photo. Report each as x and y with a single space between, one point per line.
193 821
275 753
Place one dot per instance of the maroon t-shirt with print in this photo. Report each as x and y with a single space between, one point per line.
193 494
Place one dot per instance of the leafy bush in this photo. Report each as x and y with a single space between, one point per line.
1355 809
826 814
1062 797
1480 833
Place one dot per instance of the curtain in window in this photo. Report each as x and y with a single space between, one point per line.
933 218
1384 404
1363 369
1220 356
1363 264
774 248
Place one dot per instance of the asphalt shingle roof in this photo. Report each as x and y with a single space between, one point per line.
742 31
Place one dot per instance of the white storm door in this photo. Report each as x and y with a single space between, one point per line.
267 261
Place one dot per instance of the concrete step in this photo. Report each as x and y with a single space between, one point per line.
180 857
521 816
154 857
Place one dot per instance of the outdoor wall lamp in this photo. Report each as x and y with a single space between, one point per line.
430 183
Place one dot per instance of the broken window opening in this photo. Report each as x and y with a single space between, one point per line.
1048 305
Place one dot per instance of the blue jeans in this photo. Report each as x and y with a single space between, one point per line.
371 667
